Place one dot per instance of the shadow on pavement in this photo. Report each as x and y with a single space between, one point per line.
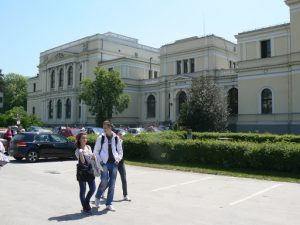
41 160
77 216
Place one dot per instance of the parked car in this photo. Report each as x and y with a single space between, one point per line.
152 129
135 131
33 146
37 129
94 130
69 132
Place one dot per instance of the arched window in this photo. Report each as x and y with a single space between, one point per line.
79 109
68 108
266 101
33 110
50 109
61 78
151 106
232 101
181 100
59 109
70 75
52 79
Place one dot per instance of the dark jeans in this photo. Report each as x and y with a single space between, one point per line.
108 178
85 199
122 171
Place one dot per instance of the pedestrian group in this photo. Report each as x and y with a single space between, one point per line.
104 162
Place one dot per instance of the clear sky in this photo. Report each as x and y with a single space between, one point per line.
29 27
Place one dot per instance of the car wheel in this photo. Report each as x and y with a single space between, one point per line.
18 158
32 156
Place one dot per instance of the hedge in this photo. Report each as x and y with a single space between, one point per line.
274 156
265 156
249 137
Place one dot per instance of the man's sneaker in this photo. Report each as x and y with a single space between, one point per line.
126 198
110 208
97 202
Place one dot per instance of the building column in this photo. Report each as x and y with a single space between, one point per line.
73 109
181 67
65 78
63 111
54 102
74 75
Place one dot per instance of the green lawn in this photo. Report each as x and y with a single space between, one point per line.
246 173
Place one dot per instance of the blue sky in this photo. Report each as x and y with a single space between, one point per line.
31 26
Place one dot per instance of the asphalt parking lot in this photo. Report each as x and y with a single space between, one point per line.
47 193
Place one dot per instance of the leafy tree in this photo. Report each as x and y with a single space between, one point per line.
15 91
9 118
104 95
206 107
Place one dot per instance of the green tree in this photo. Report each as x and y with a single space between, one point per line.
15 91
206 107
104 95
9 118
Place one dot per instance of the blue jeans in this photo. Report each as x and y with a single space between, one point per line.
85 199
108 178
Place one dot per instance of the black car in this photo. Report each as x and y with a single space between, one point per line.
34 146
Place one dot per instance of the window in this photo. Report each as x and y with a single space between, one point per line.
266 101
151 106
34 87
33 110
79 109
42 138
1 99
169 113
232 100
178 63
265 47
61 78
234 65
230 64
52 79
155 74
181 100
192 65
70 75
150 74
59 109
58 138
50 110
110 69
185 66
80 76
68 108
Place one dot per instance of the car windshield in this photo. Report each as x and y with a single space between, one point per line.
23 137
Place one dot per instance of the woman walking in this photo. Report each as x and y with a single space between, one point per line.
85 174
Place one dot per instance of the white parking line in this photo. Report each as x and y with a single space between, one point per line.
255 194
181 184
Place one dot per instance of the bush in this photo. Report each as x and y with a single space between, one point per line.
277 155
248 137
266 156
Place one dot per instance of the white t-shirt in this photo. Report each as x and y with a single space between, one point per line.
87 152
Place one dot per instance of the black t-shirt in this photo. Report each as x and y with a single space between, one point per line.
111 158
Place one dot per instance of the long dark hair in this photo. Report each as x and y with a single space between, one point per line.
77 139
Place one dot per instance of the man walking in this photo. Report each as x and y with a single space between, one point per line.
109 153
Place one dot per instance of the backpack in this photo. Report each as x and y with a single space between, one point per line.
102 141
